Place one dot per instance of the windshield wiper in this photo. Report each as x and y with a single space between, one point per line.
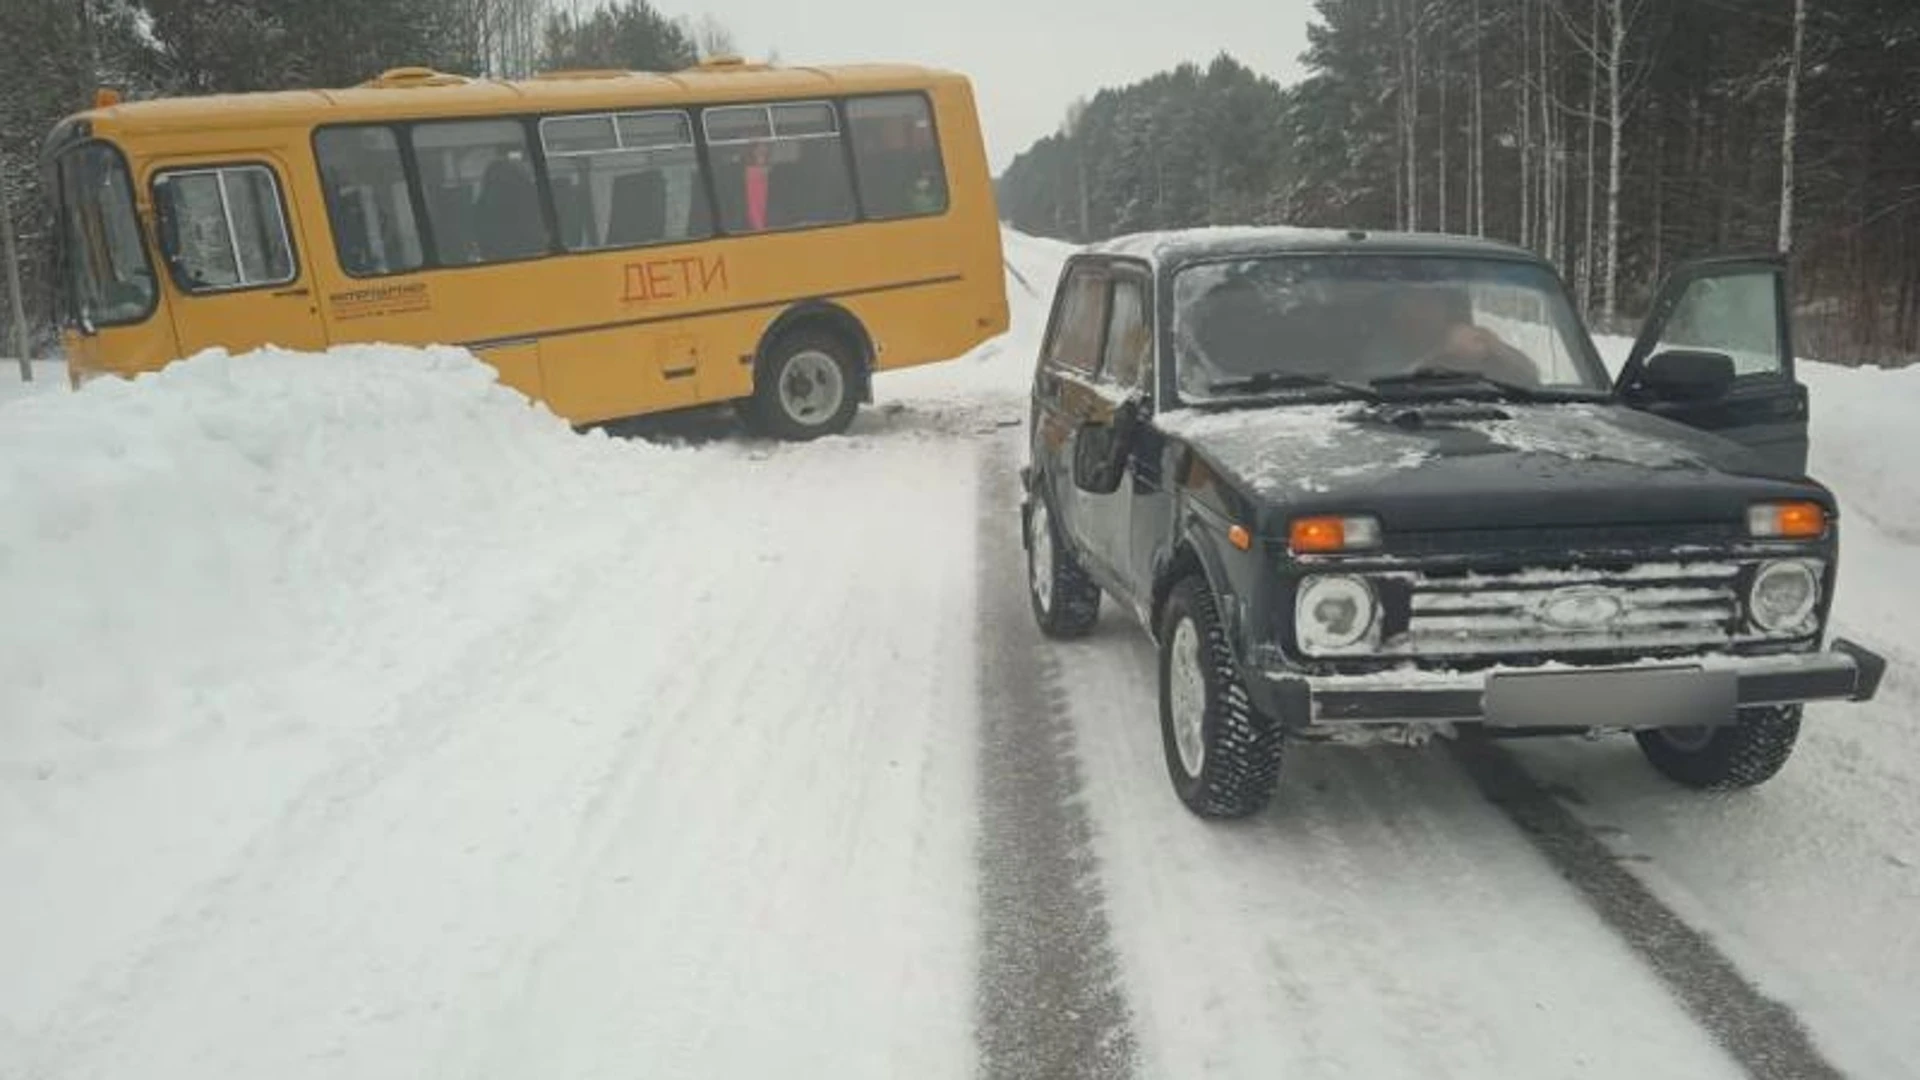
1286 380
1442 376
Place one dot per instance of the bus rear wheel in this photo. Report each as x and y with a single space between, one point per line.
807 386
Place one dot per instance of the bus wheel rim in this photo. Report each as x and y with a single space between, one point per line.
811 387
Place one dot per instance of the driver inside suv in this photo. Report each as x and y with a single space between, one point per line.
1430 326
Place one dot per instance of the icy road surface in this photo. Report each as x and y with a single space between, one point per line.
357 722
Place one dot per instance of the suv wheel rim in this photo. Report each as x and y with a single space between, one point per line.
1187 696
1040 556
1687 740
811 387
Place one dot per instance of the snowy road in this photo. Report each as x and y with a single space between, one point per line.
533 755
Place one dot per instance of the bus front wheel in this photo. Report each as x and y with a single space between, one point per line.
806 386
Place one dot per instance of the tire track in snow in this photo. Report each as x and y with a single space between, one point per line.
1049 997
1764 1036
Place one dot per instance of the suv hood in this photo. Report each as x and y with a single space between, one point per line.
1475 465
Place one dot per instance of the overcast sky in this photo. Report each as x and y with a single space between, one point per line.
1028 58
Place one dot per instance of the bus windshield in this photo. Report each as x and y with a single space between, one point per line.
106 274
1260 322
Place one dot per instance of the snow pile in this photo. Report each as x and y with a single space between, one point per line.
173 537
359 719
49 376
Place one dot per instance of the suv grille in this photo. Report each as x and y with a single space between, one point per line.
1652 606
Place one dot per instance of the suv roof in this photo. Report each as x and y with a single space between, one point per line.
1188 245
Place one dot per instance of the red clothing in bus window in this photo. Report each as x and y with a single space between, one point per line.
757 196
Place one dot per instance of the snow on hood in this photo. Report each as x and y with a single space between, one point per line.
1306 449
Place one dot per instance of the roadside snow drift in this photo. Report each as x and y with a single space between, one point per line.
172 538
359 718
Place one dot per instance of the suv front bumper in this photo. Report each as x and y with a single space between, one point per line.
1702 691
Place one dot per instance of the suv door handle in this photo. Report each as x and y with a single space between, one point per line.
298 291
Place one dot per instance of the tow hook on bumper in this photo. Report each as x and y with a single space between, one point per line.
1871 665
1707 691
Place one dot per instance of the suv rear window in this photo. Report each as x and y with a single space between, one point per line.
1083 312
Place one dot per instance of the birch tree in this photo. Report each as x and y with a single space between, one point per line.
1478 167
1789 128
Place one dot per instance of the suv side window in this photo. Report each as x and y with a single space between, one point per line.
1129 350
1076 339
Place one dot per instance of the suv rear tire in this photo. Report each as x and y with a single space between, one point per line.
1222 754
806 386
1739 755
1066 602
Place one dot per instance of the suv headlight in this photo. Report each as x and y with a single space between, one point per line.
1783 595
1334 613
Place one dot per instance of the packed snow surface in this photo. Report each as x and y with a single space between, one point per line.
49 376
370 722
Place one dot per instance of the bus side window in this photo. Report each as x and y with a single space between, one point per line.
367 203
897 156
482 202
625 180
778 166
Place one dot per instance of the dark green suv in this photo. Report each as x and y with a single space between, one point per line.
1366 487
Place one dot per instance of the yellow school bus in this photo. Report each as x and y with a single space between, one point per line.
614 243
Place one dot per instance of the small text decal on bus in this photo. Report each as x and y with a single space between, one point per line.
380 300
675 279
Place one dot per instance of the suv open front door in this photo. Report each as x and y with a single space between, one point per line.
1716 353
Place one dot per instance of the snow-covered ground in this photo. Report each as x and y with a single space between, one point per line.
49 376
357 719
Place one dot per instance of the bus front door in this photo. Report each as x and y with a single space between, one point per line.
227 236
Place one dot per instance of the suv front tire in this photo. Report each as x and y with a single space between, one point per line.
1222 754
1743 754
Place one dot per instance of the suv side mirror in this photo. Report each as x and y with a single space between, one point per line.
1101 450
1688 375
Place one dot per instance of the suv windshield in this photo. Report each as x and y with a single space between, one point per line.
105 269
1282 322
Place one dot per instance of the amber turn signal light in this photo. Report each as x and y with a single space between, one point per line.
1328 535
1787 520
1239 537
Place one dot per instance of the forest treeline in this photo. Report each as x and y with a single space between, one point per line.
1615 137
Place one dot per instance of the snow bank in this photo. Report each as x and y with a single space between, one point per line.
49 376
172 536
359 719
